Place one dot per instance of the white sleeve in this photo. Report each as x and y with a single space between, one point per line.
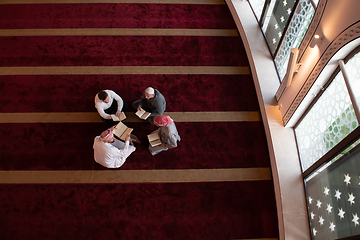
109 156
126 145
117 98
118 156
100 108
123 154
118 153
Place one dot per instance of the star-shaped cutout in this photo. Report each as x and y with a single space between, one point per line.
310 200
341 213
326 191
282 19
314 231
337 194
332 226
355 219
321 220
285 2
279 34
274 40
351 198
276 26
318 204
347 179
289 11
312 215
328 208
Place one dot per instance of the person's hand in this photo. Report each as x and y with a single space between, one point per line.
139 107
127 138
118 112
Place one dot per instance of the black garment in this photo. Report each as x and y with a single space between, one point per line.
112 110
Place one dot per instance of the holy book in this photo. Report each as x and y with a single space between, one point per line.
154 139
142 114
115 118
121 131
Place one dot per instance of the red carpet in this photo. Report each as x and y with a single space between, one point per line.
121 51
207 92
116 16
138 211
69 147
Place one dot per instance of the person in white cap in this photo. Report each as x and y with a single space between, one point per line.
152 101
111 152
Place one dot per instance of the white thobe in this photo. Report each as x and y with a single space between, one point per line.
109 155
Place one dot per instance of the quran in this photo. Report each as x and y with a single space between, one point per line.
115 118
142 114
121 131
154 139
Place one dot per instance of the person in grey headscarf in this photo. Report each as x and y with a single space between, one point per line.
167 132
152 101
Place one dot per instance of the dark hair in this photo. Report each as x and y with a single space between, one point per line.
102 95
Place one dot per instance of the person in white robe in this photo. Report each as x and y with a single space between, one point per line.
111 152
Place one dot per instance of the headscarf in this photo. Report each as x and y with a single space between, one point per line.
162 120
106 135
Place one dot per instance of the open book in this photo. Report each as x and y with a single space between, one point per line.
115 118
142 114
154 139
121 131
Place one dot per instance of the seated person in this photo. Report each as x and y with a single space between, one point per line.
107 102
168 134
110 152
152 101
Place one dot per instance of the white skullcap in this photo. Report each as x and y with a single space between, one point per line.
150 90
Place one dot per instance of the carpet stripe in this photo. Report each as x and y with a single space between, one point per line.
113 1
118 32
93 117
135 176
120 70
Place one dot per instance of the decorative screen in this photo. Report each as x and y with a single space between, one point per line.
329 121
333 197
294 35
279 20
